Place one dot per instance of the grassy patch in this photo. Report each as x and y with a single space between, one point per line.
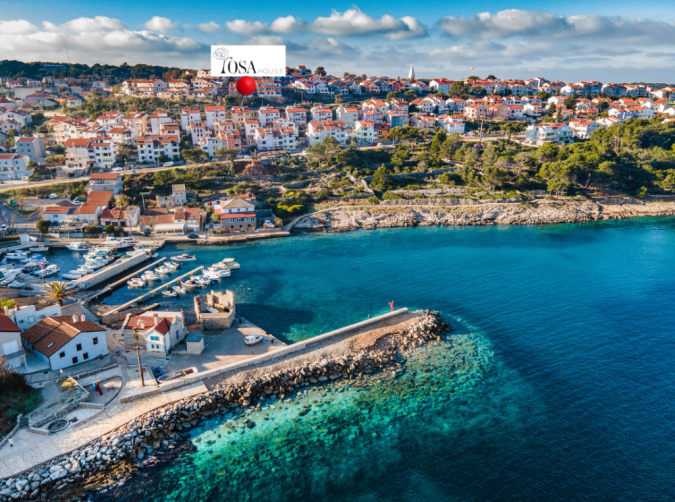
16 399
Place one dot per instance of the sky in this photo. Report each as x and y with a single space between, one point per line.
610 41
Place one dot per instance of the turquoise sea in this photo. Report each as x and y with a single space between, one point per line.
557 383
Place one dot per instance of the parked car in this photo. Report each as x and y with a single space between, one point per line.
25 178
133 171
77 202
117 169
193 235
41 197
380 144
147 232
128 240
53 196
168 164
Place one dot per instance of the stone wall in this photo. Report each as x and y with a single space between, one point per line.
450 201
224 302
84 396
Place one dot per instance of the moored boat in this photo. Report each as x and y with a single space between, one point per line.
184 257
171 294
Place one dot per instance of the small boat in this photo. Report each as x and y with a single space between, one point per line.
180 290
171 265
150 276
38 249
177 374
136 282
163 270
171 294
253 339
184 257
204 281
17 256
71 275
190 284
218 272
32 266
230 263
87 268
15 284
77 246
45 272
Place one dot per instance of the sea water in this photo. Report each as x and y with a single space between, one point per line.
556 383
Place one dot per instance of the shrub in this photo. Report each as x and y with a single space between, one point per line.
389 195
42 226
373 200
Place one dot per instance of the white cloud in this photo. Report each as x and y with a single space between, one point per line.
289 25
353 22
265 40
17 27
246 27
160 24
96 24
529 24
100 40
209 27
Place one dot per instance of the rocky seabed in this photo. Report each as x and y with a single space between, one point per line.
137 442
546 212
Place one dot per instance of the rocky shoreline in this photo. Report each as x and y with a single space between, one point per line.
137 445
427 212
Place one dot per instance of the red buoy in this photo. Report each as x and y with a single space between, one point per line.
246 86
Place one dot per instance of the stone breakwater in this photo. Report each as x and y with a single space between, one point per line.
534 213
137 444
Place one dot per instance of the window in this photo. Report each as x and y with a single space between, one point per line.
62 354
156 338
95 340
85 356
78 347
75 360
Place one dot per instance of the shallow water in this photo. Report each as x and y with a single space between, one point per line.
567 393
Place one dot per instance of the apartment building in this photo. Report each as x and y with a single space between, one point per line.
33 148
14 166
317 131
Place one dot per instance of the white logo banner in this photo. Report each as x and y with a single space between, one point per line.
251 60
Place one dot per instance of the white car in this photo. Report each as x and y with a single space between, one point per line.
53 196
253 339
133 171
380 144
304 152
168 164
128 240
117 169
25 178
76 202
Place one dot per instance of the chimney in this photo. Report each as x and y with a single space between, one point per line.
82 318
156 318
6 311
75 318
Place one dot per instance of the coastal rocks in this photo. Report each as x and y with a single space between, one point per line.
407 213
138 442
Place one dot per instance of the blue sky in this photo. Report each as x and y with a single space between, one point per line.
609 41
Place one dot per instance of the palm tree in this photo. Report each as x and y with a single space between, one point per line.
57 292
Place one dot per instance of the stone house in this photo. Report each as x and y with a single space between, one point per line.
158 331
176 199
237 214
215 310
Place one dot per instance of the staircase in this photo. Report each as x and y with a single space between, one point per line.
23 422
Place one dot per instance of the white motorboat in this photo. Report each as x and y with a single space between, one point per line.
218 272
171 265
180 290
38 249
74 274
230 263
150 276
17 256
47 271
77 246
87 268
32 266
163 270
15 284
184 257
136 282
253 339
171 294
190 284
204 281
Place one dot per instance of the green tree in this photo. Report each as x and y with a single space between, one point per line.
373 200
42 226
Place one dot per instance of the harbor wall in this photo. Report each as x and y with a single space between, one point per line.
286 352
111 271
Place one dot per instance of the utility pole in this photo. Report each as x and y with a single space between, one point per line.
138 355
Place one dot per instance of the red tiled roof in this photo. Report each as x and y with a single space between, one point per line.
231 216
7 325
165 218
104 176
163 326
52 333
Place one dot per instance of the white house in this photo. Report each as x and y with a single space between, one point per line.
364 132
64 341
13 166
189 115
347 114
549 133
451 124
10 342
213 114
106 182
317 131
441 85
583 128
57 214
321 114
159 331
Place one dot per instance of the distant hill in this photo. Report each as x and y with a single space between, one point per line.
114 74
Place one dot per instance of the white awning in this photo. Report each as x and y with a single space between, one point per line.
169 227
